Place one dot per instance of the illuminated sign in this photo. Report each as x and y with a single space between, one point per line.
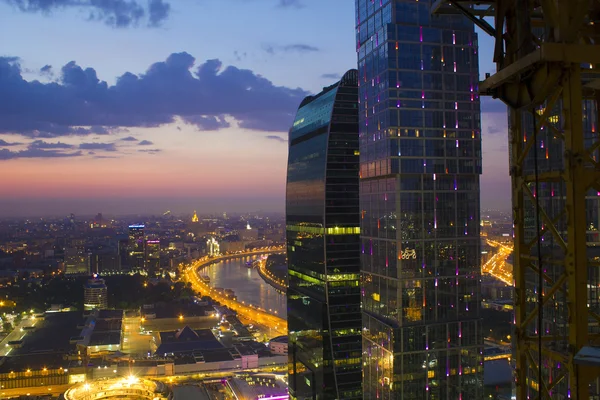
301 120
136 226
408 254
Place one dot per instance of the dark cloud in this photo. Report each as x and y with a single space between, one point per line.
4 143
35 153
145 143
129 139
290 48
299 47
239 56
277 138
207 123
150 151
81 104
40 144
333 76
98 146
291 3
115 13
158 11
490 105
47 71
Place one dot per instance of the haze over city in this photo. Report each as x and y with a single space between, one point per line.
156 106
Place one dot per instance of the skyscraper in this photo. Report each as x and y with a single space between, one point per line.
322 223
420 161
136 247
153 255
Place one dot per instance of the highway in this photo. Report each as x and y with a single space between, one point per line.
190 273
496 266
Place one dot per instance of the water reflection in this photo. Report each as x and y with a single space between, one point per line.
247 285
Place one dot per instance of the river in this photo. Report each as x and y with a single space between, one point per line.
247 285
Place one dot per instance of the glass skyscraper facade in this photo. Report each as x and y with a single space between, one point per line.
323 244
420 162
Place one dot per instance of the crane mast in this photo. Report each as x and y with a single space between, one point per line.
547 53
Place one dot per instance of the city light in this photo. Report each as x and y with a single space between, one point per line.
191 274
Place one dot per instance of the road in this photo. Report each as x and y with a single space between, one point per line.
175 379
34 391
496 266
269 277
135 343
17 334
190 273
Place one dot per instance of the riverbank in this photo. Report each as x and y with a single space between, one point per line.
269 278
191 273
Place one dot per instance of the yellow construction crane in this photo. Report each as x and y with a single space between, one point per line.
546 53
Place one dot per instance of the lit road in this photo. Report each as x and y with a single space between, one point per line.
17 334
178 379
496 266
175 379
190 273
267 275
34 391
135 343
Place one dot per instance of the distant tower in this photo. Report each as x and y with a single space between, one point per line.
153 255
136 247
224 215
195 217
248 226
95 294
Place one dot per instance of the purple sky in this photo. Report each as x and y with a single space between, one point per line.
139 105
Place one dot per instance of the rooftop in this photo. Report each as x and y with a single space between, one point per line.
51 334
110 314
104 325
105 338
279 339
187 340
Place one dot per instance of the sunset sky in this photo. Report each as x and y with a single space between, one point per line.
142 106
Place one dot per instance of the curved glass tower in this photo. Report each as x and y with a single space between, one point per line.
420 151
323 243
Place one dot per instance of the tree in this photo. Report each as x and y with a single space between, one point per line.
7 326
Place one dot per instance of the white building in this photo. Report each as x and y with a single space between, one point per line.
95 294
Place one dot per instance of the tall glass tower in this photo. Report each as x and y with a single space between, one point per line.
323 242
420 161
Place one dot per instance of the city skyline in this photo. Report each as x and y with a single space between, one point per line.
139 159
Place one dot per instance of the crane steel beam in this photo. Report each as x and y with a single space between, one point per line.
546 54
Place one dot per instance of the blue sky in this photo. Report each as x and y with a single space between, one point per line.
281 50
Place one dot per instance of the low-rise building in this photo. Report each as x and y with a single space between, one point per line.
279 345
